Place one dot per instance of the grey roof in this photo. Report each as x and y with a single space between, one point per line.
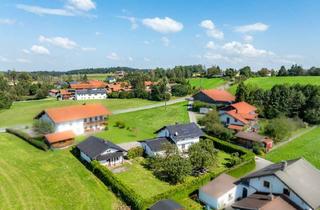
182 131
157 144
219 186
251 136
93 147
299 175
166 204
91 91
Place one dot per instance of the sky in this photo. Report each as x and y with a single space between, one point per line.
62 35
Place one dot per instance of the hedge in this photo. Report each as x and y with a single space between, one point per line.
136 202
35 141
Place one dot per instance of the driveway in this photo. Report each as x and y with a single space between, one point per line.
129 145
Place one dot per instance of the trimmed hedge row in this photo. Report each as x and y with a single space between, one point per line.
136 202
35 141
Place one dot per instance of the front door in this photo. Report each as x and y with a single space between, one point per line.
244 192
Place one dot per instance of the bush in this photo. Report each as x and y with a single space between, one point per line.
36 141
135 152
42 127
120 124
180 90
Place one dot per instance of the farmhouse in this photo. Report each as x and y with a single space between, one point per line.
216 97
239 115
118 87
166 204
77 118
292 184
60 139
91 84
111 79
105 152
248 139
148 85
181 135
65 94
87 94
53 92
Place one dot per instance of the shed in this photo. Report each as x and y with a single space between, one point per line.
60 139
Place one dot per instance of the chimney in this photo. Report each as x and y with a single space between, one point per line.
284 165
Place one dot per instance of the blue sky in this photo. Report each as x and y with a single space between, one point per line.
70 34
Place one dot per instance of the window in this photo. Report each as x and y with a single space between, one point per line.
228 120
286 191
266 184
85 119
235 120
96 118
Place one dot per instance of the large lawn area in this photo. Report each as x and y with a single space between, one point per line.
142 124
98 76
24 112
307 146
269 82
206 83
33 179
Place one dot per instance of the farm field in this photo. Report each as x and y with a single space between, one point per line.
101 77
33 179
141 125
269 82
306 146
24 112
206 83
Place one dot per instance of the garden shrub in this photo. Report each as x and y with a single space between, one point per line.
120 124
135 152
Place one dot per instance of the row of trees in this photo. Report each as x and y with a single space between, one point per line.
301 101
174 168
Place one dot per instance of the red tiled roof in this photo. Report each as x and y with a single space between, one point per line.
59 136
243 107
76 112
150 83
236 127
91 84
219 95
65 92
238 116
53 91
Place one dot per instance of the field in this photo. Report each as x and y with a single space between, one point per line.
33 179
269 82
24 112
98 76
142 124
306 146
206 83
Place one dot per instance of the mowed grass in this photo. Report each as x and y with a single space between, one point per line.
206 83
23 112
268 82
101 77
307 146
143 182
33 179
142 124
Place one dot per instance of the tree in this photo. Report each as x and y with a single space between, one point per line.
202 155
264 72
180 90
159 92
5 100
42 127
230 72
214 71
246 71
283 71
296 70
242 92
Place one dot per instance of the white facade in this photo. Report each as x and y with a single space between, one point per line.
223 201
80 96
149 152
113 162
227 120
276 187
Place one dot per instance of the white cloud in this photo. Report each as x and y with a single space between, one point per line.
44 11
7 21
211 45
146 59
38 49
88 49
252 27
165 41
4 59
165 25
248 38
113 56
84 5
25 51
211 29
63 42
247 50
132 20
23 60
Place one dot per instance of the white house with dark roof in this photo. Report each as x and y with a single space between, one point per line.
292 184
89 94
181 135
105 152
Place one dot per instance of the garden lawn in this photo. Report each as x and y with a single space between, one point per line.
205 83
269 82
22 113
306 146
33 179
142 124
143 182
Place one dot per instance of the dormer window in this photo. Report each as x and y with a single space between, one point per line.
266 184
286 192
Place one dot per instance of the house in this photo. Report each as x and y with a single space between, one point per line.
78 118
60 139
118 87
111 80
87 94
248 139
105 152
181 135
148 85
292 184
53 92
65 94
166 204
239 115
219 193
119 74
91 84
216 97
